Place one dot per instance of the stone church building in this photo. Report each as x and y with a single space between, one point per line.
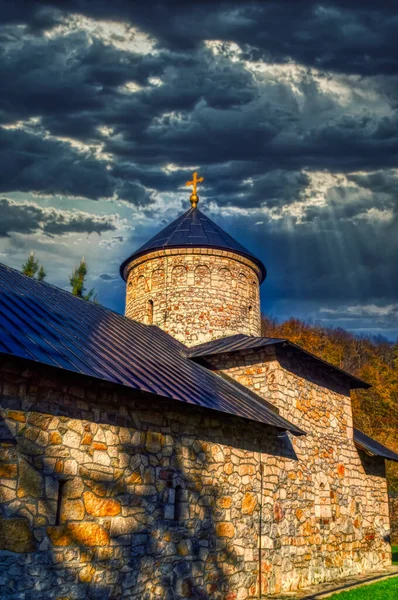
174 452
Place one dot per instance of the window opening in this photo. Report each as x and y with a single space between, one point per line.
60 500
149 312
178 503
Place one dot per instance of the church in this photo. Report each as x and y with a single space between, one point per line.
174 452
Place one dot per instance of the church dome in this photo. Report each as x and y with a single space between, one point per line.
194 281
193 229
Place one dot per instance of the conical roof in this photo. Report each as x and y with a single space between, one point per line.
193 229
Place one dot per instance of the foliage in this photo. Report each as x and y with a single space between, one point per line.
384 590
32 269
373 360
41 275
77 282
394 550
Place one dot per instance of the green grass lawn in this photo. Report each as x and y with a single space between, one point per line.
384 590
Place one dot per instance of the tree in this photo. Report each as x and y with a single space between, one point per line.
31 268
77 283
41 275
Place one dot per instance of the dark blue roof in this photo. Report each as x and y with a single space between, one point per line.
369 445
194 229
40 322
235 343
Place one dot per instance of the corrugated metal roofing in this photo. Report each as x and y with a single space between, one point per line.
235 343
43 323
196 230
369 445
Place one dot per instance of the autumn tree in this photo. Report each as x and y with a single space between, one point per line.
374 360
32 269
77 282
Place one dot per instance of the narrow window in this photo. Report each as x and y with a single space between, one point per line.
149 312
60 501
178 503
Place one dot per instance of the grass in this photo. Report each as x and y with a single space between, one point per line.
384 590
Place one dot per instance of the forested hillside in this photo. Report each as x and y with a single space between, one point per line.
375 361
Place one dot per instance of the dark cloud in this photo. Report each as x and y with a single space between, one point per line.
29 218
32 163
340 35
325 101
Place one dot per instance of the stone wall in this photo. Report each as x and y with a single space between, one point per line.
344 491
393 501
108 494
196 295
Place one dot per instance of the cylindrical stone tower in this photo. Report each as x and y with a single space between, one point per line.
194 281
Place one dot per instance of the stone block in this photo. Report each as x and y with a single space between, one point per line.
30 481
8 470
16 536
224 502
101 507
123 526
72 510
80 534
225 529
249 503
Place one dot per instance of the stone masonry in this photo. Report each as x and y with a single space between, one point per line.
393 502
195 294
343 503
111 494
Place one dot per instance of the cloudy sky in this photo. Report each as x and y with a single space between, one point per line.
288 109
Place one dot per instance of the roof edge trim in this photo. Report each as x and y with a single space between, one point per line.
261 270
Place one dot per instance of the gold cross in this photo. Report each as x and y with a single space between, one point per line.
194 198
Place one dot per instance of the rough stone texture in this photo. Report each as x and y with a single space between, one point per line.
191 504
337 493
196 294
16 536
393 502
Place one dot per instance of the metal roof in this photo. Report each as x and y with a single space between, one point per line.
238 342
370 446
43 323
196 230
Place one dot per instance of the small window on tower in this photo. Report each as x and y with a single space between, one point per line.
149 312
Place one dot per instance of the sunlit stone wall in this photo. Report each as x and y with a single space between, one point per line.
338 493
106 494
196 294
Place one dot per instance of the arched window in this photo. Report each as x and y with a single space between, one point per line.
142 285
179 275
224 279
178 499
149 313
243 285
158 278
202 275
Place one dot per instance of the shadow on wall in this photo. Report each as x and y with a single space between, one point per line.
106 499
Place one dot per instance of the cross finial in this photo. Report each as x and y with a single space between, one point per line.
194 198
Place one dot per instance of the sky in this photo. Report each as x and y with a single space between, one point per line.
289 110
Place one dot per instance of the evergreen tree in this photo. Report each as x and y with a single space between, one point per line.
77 282
31 268
41 275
